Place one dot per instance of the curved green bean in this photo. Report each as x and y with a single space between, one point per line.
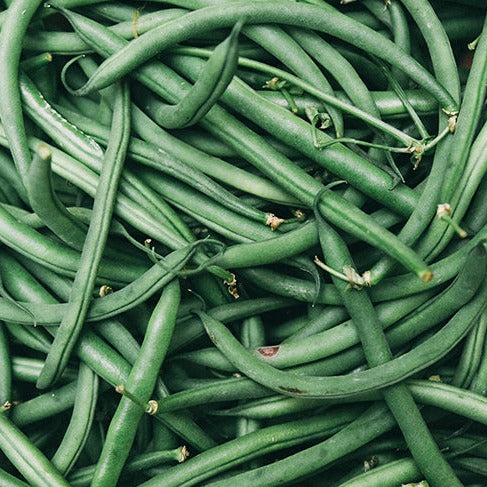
47 205
71 325
81 420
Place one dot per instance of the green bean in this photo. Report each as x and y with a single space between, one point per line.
91 29
467 185
108 364
28 460
377 352
445 69
69 43
276 41
213 80
34 338
474 95
192 328
372 423
10 481
480 383
401 34
136 464
403 470
47 205
242 100
44 406
55 256
119 338
450 398
250 446
8 172
338 338
6 367
252 335
205 19
112 304
289 175
71 325
9 195
391 288
35 62
271 407
84 148
141 383
81 420
387 102
17 19
218 169
270 250
367 116
151 156
471 355
27 370
329 317
338 386
468 120
222 219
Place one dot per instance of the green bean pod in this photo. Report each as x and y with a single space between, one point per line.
140 383
47 205
81 420
28 459
244 448
334 23
18 17
338 386
71 326
213 81
6 367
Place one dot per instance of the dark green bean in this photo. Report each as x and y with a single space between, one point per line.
213 81
140 383
377 352
28 459
81 420
244 448
5 368
334 23
471 355
371 424
17 19
289 383
70 327
136 464
404 470
47 205
44 406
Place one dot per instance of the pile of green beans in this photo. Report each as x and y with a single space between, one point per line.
243 241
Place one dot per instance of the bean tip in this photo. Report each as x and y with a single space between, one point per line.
426 276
